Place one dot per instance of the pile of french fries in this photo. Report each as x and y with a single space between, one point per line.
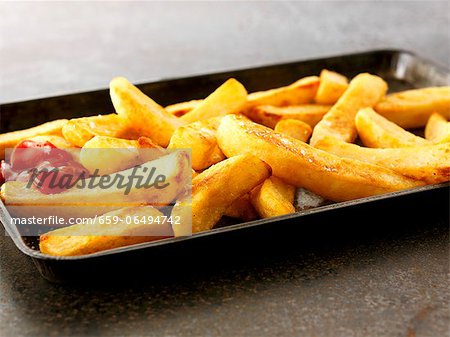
336 138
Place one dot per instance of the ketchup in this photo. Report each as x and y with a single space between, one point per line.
26 155
56 169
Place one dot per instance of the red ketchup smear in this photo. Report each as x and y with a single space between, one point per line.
55 166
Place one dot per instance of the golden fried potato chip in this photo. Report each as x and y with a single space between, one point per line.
242 209
301 165
294 128
376 131
411 108
101 234
10 139
215 189
332 86
364 91
229 98
300 92
437 129
201 138
80 130
270 115
108 154
182 108
58 141
274 197
141 113
429 163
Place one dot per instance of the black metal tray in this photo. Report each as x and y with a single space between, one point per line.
402 70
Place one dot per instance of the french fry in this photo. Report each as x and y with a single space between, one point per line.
58 141
364 91
332 86
376 131
201 138
147 143
101 234
274 197
411 109
147 155
294 128
239 168
229 98
270 115
437 129
430 163
242 209
80 130
182 217
107 155
215 189
301 165
300 92
180 109
141 113
104 142
11 139
94 199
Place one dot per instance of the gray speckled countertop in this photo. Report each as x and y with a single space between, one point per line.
388 285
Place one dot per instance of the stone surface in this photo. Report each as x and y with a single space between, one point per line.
388 285
50 48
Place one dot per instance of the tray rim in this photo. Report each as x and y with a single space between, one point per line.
12 232
17 238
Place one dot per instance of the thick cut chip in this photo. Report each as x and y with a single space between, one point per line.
411 109
229 98
376 131
270 115
332 86
11 139
182 217
59 141
215 189
201 138
294 128
430 163
300 92
301 165
106 155
182 108
274 197
141 113
364 91
242 209
108 231
437 129
80 130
